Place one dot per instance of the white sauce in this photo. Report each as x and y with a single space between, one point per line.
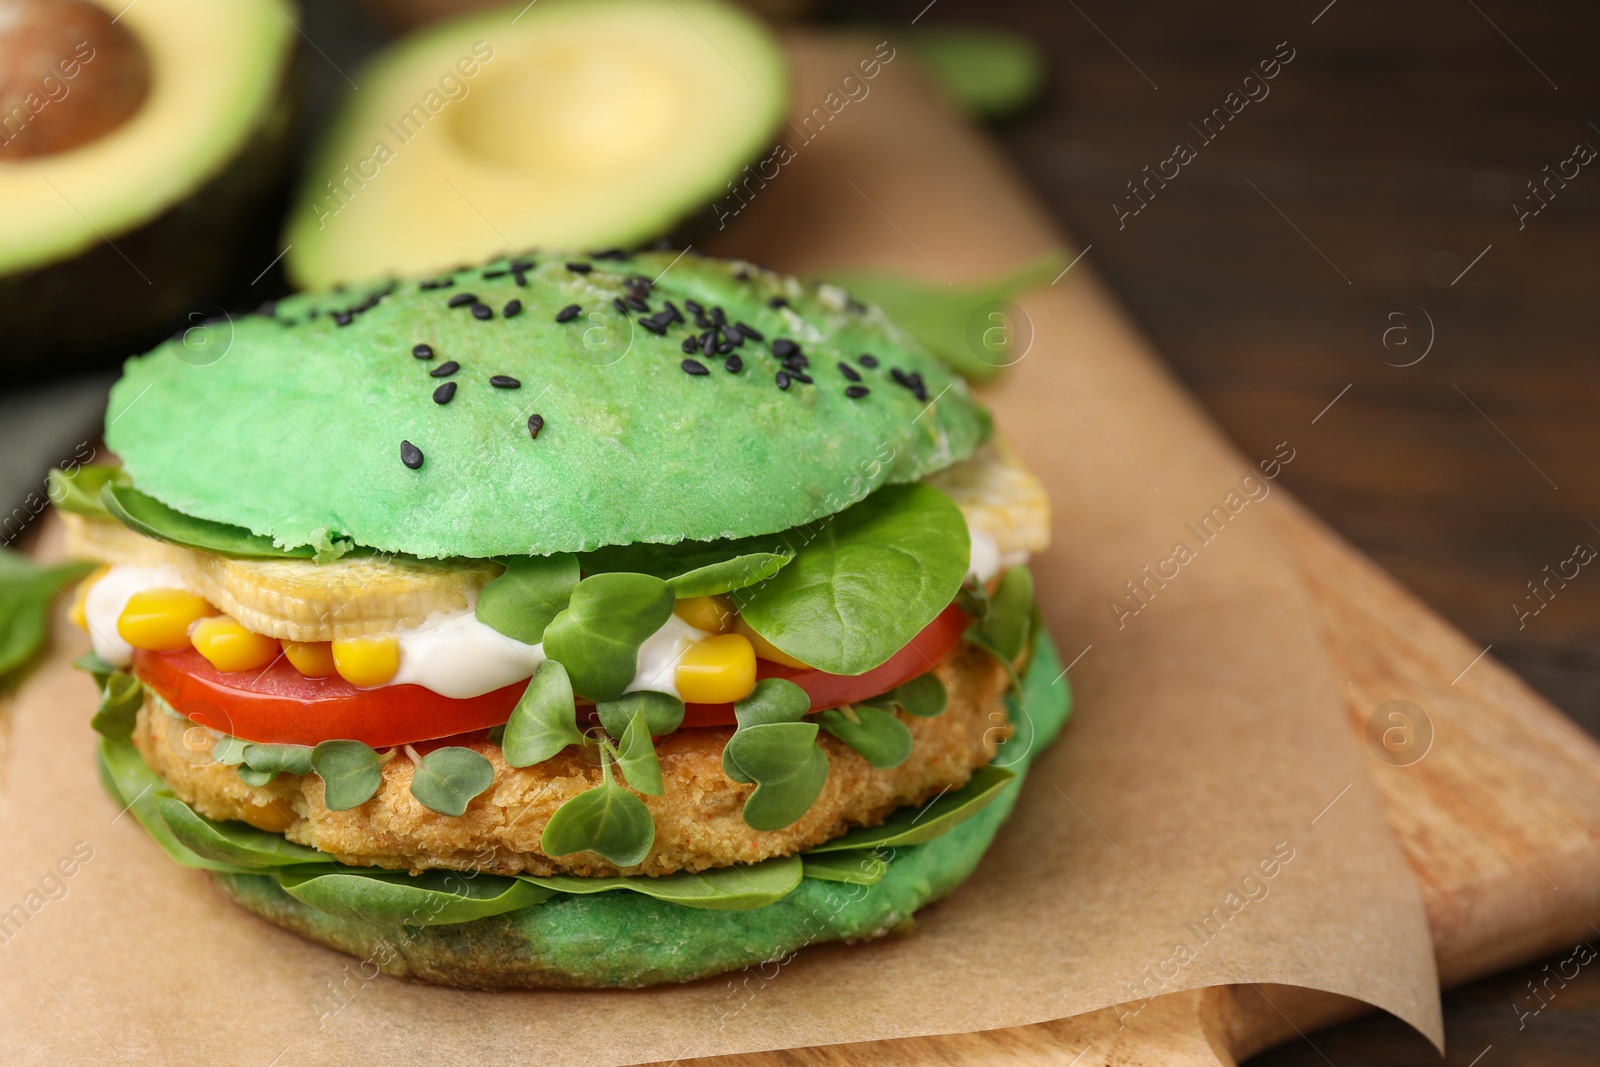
109 596
659 656
985 556
455 655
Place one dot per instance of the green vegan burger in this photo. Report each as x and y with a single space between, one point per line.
571 621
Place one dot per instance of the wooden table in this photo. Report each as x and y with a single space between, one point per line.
1348 202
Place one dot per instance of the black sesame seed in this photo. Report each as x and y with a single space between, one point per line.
733 335
693 366
867 359
701 321
443 394
750 331
796 362
856 392
521 265
691 344
695 307
719 316
902 377
708 343
444 370
422 351
268 308
672 309
650 323
495 273
797 376
482 312
849 372
504 381
782 378
611 253
616 302
428 285
725 347
410 455
636 304
783 347
568 313
580 268
512 308
462 300
343 318
777 302
535 424
733 365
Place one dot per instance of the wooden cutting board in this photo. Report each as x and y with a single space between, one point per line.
1500 820
1500 817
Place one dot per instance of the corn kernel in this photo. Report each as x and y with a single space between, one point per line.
79 599
766 649
158 620
314 659
367 661
711 613
227 646
718 670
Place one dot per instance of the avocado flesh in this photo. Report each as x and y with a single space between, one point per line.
580 124
141 222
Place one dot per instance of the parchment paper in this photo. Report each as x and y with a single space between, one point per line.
1209 744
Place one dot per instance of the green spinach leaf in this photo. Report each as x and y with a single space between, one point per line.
79 491
149 516
663 712
1010 616
787 766
521 602
924 696
395 898
95 667
914 826
636 756
772 700
606 820
969 327
545 720
866 582
597 636
697 568
229 751
351 773
235 843
134 787
26 591
278 759
880 738
738 888
446 780
120 700
859 866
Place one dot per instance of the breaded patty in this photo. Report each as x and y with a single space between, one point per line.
699 821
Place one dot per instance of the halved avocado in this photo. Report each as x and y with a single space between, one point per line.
567 123
136 143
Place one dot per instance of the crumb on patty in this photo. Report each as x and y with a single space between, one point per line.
699 821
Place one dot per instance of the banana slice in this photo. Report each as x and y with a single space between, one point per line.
294 599
999 496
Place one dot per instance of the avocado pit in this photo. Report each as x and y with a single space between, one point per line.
69 75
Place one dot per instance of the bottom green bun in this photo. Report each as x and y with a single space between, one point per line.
625 940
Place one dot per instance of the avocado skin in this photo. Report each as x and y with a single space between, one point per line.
93 309
625 940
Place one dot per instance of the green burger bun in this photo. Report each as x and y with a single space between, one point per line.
304 425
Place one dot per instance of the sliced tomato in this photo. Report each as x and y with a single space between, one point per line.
830 690
280 706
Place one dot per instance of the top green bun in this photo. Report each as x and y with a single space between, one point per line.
291 423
